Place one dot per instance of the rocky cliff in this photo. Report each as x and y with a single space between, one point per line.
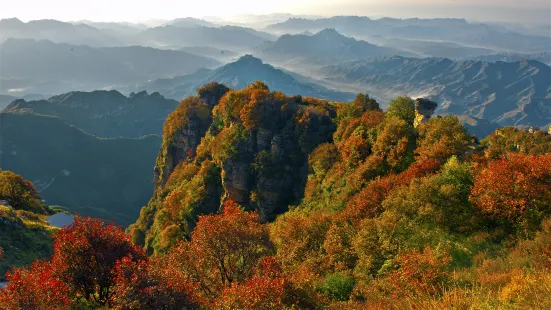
424 109
250 146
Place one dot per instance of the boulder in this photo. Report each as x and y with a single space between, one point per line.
424 109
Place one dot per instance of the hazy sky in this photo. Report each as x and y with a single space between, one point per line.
132 10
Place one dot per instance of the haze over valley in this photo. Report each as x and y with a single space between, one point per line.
344 155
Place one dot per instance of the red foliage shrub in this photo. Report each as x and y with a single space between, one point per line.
34 288
510 187
139 286
420 272
86 253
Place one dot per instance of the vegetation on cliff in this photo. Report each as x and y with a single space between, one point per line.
298 203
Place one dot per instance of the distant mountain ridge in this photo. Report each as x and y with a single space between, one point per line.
238 75
517 93
451 30
20 59
326 47
55 31
106 114
225 37
88 67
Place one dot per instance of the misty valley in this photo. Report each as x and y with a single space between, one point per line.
276 161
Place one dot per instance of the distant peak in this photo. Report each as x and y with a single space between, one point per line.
142 94
249 59
11 21
329 32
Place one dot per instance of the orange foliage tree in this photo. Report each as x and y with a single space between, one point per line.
224 249
515 188
442 137
85 255
142 285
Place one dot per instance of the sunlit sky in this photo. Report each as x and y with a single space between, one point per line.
131 10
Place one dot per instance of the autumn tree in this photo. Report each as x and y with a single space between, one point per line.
35 288
20 193
442 137
212 92
394 144
85 255
512 140
363 102
143 285
516 188
299 239
420 272
224 249
402 108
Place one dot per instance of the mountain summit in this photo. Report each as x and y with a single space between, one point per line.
238 75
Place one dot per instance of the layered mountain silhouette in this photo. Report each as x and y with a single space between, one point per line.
106 114
226 37
544 57
207 51
105 178
55 31
325 47
451 30
240 74
32 62
188 22
430 48
517 93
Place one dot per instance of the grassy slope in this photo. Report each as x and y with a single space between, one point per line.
25 237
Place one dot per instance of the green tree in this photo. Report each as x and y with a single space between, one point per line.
403 108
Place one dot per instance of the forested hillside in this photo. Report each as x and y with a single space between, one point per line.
106 178
265 201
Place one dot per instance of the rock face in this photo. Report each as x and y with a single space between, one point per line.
424 109
278 184
549 131
185 141
251 148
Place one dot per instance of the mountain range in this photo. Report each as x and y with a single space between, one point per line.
56 31
240 74
106 114
30 64
225 37
516 93
175 34
430 48
325 47
449 30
